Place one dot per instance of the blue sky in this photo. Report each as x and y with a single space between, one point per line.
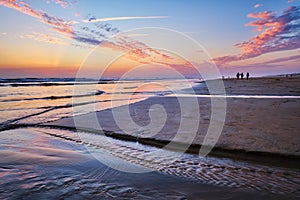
218 25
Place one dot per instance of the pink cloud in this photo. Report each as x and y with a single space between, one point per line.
63 3
41 37
134 49
277 33
257 5
57 23
261 15
138 51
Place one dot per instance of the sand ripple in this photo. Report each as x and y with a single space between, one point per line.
208 170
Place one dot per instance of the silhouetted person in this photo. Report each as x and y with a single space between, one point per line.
247 75
238 75
242 75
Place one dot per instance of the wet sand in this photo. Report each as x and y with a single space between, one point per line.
36 165
261 126
55 163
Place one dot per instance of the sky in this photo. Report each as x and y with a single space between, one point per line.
92 38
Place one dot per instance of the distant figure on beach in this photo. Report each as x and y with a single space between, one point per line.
238 75
242 75
247 75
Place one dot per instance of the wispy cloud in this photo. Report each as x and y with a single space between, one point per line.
257 5
41 37
284 59
57 24
62 3
278 33
93 19
134 50
87 40
273 63
87 36
137 51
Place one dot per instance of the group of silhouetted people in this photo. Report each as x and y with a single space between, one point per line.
238 75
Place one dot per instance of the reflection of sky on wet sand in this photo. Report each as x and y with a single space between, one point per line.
38 165
42 162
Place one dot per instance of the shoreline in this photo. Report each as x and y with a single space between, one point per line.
260 128
256 157
279 86
48 160
257 152
266 158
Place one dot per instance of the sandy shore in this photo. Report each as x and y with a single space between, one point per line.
258 86
267 125
36 165
55 163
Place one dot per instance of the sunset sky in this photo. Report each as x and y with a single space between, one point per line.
54 38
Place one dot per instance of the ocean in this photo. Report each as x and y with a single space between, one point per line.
37 100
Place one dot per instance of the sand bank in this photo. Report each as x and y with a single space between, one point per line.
251 125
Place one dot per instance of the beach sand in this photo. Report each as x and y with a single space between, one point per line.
259 86
268 125
55 163
35 165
